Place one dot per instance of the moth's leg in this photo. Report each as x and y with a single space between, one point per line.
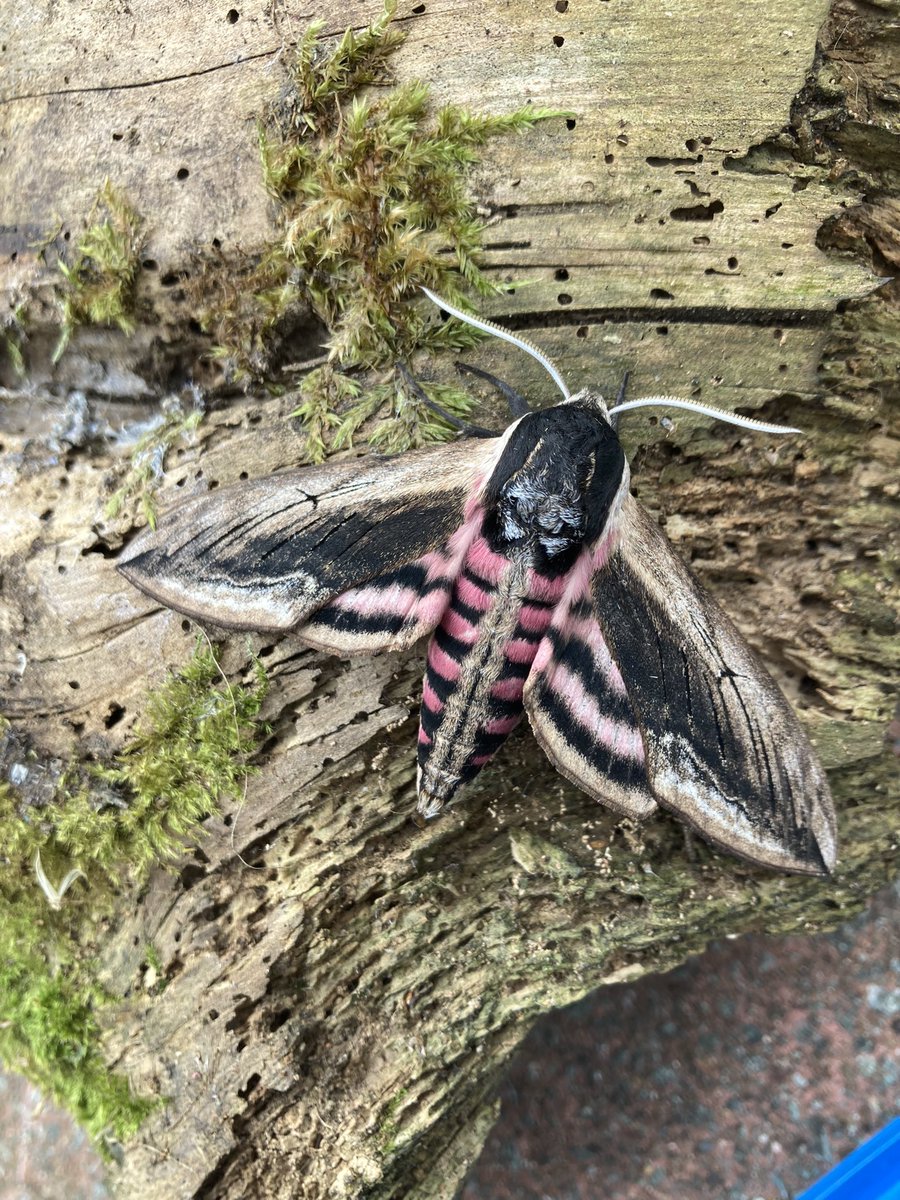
420 394
518 405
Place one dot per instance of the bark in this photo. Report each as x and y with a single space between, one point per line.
344 988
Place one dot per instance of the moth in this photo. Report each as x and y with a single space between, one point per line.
546 589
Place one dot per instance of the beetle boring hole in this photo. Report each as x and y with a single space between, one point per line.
558 41
279 1018
232 16
660 294
732 263
419 9
562 6
213 1014
662 330
74 685
561 274
114 715
249 1086
581 331
570 122
182 173
564 298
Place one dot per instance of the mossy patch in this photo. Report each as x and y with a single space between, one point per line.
372 203
99 284
113 822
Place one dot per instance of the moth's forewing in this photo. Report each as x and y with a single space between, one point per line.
264 555
724 749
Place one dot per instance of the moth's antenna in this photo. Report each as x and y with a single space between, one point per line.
505 335
706 410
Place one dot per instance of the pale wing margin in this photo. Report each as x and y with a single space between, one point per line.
265 554
724 749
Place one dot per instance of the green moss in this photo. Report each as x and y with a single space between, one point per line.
389 1125
187 753
114 823
145 471
372 203
99 284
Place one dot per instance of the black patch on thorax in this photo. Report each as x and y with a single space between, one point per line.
552 488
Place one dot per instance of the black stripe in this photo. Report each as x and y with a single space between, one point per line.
466 611
545 604
576 656
346 621
450 645
443 688
429 720
487 743
525 635
476 579
514 670
623 771
500 708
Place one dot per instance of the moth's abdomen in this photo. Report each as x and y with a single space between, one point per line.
478 661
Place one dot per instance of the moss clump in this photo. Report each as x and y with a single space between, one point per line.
145 471
113 822
372 203
99 284
188 752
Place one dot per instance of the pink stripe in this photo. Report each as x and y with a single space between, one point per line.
374 600
623 740
543 656
588 631
424 739
430 698
471 594
508 689
534 620
440 661
542 588
484 562
519 651
502 724
480 759
457 626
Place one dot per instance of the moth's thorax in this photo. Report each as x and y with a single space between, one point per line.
553 485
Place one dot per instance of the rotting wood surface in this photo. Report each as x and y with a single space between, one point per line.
336 1012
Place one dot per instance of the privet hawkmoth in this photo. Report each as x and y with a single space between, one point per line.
547 589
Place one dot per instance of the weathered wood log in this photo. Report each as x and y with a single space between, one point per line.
342 987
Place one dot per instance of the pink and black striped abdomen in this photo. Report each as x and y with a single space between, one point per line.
478 661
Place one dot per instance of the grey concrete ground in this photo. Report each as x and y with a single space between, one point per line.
742 1075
